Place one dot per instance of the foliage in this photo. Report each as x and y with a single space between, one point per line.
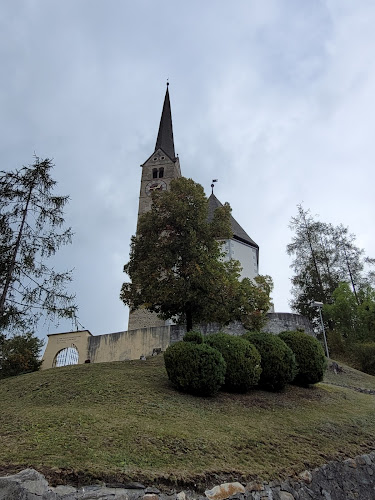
364 354
195 368
183 276
336 344
324 255
277 360
354 320
310 358
256 302
193 336
30 221
246 300
19 354
242 360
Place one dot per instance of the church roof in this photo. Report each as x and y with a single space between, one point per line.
165 134
238 232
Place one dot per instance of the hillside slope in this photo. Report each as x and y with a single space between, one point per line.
117 421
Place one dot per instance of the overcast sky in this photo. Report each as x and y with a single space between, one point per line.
274 98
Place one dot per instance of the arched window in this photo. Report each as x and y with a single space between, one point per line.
161 172
67 356
154 173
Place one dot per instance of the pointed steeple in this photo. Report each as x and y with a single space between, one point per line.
165 135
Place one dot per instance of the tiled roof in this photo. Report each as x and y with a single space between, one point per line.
238 232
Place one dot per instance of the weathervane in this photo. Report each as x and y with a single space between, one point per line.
212 185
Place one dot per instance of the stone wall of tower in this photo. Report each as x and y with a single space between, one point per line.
171 170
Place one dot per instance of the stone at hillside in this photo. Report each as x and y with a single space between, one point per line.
284 495
101 493
306 476
224 490
26 485
150 496
254 486
151 489
64 490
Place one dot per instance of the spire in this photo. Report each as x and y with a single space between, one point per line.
165 135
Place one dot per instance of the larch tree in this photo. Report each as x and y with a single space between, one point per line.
31 222
324 256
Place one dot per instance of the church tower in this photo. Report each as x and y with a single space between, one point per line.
157 173
163 165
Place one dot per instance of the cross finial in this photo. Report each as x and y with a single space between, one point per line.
167 82
212 185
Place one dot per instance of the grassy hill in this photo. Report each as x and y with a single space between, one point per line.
117 421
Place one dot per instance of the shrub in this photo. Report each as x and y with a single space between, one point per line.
335 342
195 368
242 359
19 354
310 358
365 356
193 336
277 360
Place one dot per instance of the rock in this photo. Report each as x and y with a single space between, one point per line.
64 489
151 489
26 485
150 496
326 495
101 493
352 463
254 486
181 496
284 495
306 476
367 459
224 490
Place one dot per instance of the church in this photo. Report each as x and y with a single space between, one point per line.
147 334
160 168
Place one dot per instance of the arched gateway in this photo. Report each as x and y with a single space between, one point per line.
66 349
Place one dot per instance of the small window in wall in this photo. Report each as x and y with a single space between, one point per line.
154 173
161 172
67 356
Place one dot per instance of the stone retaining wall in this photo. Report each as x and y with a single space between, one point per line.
348 479
276 323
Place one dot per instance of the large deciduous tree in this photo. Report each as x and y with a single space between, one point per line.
324 255
175 262
31 223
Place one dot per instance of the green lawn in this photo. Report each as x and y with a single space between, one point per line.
123 420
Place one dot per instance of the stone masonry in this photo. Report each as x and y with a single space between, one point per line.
337 480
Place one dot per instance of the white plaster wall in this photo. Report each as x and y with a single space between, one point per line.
245 254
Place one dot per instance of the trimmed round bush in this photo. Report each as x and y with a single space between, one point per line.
277 360
310 358
242 360
193 336
195 368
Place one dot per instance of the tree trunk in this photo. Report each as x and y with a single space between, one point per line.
15 252
323 297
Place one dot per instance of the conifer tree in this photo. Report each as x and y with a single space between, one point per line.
31 223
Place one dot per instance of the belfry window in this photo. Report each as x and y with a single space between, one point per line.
161 172
154 173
